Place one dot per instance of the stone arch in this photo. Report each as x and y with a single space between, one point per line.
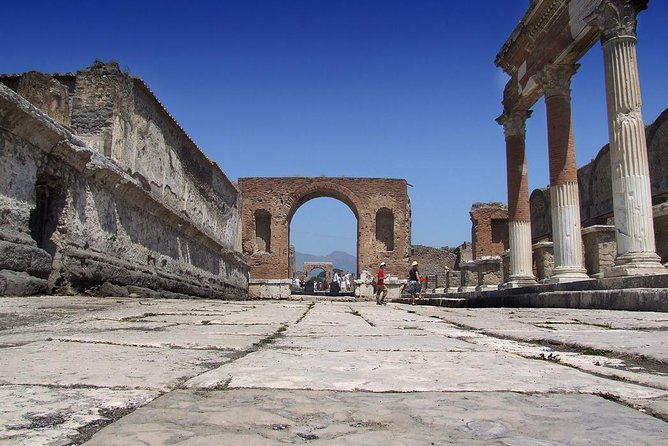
320 189
325 266
281 197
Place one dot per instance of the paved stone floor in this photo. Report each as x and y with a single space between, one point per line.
119 371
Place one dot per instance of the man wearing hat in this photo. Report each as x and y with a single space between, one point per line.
380 285
414 281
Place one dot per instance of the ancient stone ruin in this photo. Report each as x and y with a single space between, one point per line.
102 191
381 207
541 57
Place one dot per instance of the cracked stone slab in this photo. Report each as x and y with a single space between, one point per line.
103 365
36 415
400 342
400 371
259 417
650 341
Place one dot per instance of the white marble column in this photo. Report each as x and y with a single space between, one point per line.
519 220
564 196
631 190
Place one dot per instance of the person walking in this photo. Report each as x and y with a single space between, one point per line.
414 282
381 289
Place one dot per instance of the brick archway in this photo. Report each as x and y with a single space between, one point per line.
327 267
268 205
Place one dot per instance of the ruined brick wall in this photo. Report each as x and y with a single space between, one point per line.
73 219
489 229
281 197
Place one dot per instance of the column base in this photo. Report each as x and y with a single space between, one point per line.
518 282
637 264
563 274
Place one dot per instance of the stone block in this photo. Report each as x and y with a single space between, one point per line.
454 281
600 249
269 288
469 276
490 274
543 259
19 283
660 212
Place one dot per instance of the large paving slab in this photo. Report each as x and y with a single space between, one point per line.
158 371
269 417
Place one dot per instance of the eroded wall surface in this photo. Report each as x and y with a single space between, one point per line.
115 192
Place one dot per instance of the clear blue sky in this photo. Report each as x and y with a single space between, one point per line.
361 88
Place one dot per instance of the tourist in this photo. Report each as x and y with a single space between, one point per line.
380 285
414 282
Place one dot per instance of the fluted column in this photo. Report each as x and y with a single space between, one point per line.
564 196
519 219
631 190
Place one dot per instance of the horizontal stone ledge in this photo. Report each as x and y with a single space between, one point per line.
20 257
18 283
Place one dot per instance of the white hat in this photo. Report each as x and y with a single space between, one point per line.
382 263
414 263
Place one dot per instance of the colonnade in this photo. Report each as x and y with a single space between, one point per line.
632 200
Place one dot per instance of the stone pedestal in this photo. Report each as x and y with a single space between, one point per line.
394 287
490 275
505 269
469 276
600 249
454 281
364 289
269 288
543 257
660 212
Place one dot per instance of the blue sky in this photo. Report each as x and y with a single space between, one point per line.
359 88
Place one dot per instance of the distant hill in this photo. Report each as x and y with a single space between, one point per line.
341 260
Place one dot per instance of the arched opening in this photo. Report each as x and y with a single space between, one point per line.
385 228
324 230
262 230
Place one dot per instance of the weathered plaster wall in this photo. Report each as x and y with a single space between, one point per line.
97 219
281 197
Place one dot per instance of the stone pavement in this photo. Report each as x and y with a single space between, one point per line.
120 371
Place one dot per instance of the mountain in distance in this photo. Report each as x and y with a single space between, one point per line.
341 260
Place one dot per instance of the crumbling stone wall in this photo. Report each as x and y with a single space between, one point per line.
153 212
490 229
281 197
434 261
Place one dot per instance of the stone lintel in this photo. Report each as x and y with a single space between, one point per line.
597 228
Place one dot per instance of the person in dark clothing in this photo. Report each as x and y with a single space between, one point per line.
414 282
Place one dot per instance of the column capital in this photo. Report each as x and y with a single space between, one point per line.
514 122
556 79
617 18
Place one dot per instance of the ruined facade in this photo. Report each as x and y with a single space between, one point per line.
541 57
381 207
100 186
489 229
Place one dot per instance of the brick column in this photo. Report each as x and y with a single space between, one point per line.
519 220
631 190
564 196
